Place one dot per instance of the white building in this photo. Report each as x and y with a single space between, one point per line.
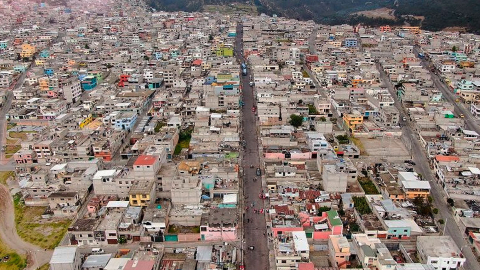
65 258
440 251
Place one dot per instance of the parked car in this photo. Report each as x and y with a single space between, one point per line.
411 162
259 172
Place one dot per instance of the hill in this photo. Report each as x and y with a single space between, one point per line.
438 14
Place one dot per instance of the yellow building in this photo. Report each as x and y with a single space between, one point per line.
353 120
43 84
27 50
39 62
86 121
142 193
412 186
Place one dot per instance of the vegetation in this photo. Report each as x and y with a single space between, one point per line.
31 228
323 209
342 139
296 120
312 110
44 267
305 74
441 221
159 126
435 211
18 135
438 14
11 149
15 261
368 186
11 125
4 176
424 208
354 227
359 144
451 202
184 141
361 205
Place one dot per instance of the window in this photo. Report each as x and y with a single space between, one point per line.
284 261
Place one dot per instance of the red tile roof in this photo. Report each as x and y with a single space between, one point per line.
145 160
446 158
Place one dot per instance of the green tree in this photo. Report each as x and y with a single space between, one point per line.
454 49
312 110
435 211
296 120
451 202
323 209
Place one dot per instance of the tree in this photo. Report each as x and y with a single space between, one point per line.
312 110
450 202
323 209
296 120
435 211
454 49
87 46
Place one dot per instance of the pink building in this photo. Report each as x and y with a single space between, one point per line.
24 156
221 224
316 227
274 155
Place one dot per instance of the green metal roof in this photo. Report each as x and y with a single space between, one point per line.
333 218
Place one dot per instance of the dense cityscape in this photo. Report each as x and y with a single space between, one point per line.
139 139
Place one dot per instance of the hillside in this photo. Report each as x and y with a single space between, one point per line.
438 14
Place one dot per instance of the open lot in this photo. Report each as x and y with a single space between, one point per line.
388 148
46 233
14 261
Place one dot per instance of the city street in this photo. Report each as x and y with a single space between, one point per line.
423 167
254 223
470 121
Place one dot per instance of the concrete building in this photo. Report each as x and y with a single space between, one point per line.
142 192
65 258
338 250
440 251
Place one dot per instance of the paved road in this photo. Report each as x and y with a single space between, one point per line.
422 166
254 224
470 121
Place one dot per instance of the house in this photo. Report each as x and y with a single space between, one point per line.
147 166
65 258
440 251
412 186
88 83
219 224
142 192
125 121
64 202
338 250
373 253
27 50
6 78
353 120
96 262
139 265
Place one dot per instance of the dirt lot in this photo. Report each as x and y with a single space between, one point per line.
378 13
389 148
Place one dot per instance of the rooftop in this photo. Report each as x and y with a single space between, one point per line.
144 160
63 255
